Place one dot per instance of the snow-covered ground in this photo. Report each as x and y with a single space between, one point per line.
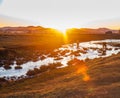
64 54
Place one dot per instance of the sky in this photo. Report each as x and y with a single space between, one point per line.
63 14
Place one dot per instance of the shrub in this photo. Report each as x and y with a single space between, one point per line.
70 62
36 70
18 67
30 73
54 65
19 62
2 80
42 57
7 67
44 68
33 72
1 64
76 53
87 59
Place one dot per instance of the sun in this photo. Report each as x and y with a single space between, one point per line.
63 31
64 34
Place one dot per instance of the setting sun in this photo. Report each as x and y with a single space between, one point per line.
65 37
63 31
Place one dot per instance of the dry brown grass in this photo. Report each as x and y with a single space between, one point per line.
67 83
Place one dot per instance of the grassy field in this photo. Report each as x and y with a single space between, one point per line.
49 40
88 37
69 82
99 78
30 47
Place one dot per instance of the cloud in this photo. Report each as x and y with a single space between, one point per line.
113 23
11 21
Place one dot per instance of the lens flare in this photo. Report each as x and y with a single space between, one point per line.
82 69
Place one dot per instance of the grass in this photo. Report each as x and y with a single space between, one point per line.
67 83
24 48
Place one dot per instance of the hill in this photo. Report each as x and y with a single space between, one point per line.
27 30
98 78
90 31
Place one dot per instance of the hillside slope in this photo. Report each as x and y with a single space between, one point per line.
98 78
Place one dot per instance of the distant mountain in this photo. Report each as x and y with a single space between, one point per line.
90 31
22 28
28 30
40 29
